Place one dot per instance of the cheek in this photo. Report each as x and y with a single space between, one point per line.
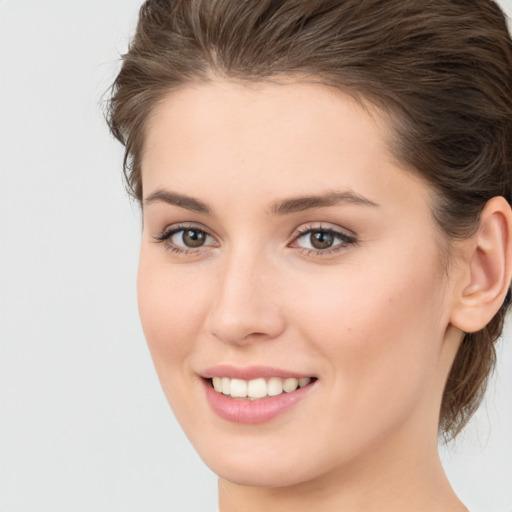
368 306
380 334
171 313
170 310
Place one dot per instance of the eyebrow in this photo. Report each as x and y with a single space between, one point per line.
280 207
331 198
187 202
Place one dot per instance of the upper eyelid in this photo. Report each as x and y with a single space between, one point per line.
180 226
302 229
321 227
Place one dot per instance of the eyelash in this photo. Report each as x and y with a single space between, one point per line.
168 233
345 239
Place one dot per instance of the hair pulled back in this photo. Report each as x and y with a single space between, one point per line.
441 69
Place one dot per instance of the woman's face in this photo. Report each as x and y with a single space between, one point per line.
281 241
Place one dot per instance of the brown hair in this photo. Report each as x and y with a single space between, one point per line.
442 69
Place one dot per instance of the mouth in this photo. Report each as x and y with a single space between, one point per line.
259 388
258 400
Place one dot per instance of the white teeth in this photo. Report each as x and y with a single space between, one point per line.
226 385
304 381
257 388
290 385
217 384
275 386
238 388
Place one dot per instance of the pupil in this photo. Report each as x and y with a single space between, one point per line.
321 240
193 238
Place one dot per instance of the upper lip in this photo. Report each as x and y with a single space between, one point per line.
250 372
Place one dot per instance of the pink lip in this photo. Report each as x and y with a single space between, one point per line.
250 412
250 372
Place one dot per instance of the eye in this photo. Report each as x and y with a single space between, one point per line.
189 237
184 239
320 240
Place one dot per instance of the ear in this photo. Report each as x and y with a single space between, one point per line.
486 275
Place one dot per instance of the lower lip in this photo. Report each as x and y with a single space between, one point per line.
250 412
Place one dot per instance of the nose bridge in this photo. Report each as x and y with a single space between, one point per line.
244 301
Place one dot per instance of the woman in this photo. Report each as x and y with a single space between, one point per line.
326 250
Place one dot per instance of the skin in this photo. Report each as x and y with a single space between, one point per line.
372 321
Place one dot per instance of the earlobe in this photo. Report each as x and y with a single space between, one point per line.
488 268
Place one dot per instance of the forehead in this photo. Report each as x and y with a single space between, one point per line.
223 100
270 138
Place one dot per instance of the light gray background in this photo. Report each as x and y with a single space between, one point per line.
84 425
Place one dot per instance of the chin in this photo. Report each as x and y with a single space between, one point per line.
270 461
258 474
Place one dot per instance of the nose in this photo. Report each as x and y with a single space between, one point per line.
245 301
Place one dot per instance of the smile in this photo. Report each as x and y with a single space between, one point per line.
255 400
258 388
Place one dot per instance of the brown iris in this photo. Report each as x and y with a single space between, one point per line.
321 239
193 237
